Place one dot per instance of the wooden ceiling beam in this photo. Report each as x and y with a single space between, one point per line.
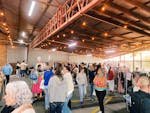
139 5
67 41
110 20
126 39
103 40
125 20
128 12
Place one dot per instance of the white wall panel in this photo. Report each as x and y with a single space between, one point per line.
20 53
46 56
83 58
16 54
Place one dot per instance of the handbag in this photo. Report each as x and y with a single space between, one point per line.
33 77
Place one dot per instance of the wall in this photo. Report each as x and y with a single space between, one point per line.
16 54
44 55
3 55
34 55
74 58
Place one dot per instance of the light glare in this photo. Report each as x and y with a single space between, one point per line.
31 8
72 44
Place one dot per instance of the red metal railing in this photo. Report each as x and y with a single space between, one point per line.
70 11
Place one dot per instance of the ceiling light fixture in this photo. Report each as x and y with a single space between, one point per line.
64 35
84 24
93 38
6 29
72 44
103 8
83 40
72 31
31 8
4 24
105 34
2 14
125 26
57 36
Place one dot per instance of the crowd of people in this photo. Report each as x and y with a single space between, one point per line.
57 82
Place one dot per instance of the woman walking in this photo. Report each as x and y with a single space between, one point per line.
100 84
82 83
57 91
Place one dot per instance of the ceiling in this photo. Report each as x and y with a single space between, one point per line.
17 19
103 28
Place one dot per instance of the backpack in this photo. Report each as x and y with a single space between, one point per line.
33 77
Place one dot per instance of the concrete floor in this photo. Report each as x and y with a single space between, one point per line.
91 107
111 108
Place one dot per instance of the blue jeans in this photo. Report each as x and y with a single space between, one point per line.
91 90
23 73
56 107
82 92
66 109
46 99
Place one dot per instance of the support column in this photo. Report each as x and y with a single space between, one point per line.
3 55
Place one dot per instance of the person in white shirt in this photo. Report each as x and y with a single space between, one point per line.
82 83
23 67
68 77
57 91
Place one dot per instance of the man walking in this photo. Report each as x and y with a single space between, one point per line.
7 71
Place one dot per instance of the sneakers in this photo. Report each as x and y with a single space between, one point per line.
99 112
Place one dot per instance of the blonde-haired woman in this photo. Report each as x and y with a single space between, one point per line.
100 84
19 95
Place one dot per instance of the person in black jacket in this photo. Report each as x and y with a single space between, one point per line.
141 99
91 78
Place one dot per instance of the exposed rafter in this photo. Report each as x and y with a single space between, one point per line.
56 23
112 19
139 5
128 12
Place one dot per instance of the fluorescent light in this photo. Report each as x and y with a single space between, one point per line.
54 49
31 8
72 44
110 51
21 41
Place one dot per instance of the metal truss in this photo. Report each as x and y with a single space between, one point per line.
66 14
